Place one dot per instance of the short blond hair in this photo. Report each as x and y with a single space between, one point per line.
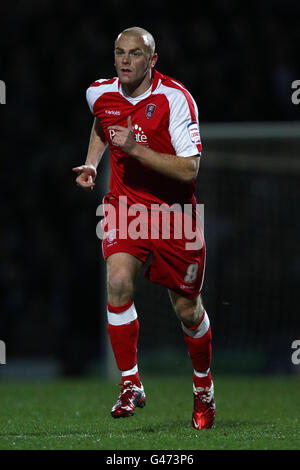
147 37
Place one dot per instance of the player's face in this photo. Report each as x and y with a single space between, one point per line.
133 60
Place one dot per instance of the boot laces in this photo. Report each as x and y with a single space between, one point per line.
204 394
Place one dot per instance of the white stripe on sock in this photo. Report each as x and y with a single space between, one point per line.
130 371
201 374
122 318
200 331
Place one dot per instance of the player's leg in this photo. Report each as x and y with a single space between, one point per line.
122 271
123 324
197 334
123 329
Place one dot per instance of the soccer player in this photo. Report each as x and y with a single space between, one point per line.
150 123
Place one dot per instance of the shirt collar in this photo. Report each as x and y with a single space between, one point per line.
157 78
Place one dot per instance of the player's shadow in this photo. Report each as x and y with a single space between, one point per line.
161 427
227 423
184 424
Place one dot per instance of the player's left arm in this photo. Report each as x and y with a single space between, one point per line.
183 169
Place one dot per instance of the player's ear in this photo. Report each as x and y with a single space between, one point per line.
153 60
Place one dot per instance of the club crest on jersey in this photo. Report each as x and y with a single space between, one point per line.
194 132
111 235
150 110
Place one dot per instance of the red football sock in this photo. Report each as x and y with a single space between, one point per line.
123 330
131 375
204 381
198 340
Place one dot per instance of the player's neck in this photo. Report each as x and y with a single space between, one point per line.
136 89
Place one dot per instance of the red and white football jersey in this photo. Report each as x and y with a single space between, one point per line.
164 118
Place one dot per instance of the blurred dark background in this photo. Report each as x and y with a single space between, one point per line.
238 61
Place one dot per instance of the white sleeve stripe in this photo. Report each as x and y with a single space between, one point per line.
94 92
180 118
187 93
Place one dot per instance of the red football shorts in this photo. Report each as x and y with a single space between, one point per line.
172 239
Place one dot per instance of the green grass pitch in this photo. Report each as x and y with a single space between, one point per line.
252 413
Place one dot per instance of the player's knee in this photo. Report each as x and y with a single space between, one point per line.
189 317
120 287
189 313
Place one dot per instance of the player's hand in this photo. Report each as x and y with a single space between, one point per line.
124 136
86 176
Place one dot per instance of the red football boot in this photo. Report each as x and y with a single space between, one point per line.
204 407
130 397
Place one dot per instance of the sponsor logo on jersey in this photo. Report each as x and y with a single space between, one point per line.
140 136
194 132
150 110
115 112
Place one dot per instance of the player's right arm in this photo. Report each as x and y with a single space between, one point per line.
87 173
